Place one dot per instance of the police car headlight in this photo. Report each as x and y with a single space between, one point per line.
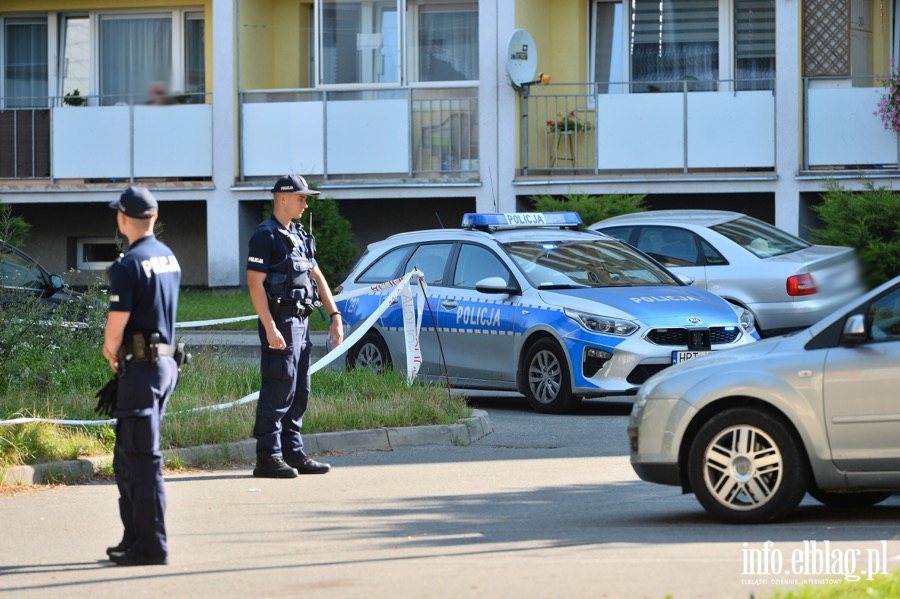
747 321
603 324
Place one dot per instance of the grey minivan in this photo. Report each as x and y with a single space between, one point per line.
751 430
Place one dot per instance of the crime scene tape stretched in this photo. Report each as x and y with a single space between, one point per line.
412 325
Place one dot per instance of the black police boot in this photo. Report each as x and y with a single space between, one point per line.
273 467
131 558
120 548
307 465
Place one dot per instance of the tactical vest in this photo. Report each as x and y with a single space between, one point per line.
296 287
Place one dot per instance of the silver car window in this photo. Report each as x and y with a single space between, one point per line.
672 246
884 317
759 238
592 263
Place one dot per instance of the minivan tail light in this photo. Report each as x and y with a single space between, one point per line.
801 285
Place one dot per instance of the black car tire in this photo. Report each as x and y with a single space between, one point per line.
546 383
746 466
848 500
370 352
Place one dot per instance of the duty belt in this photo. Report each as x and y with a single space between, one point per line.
163 350
293 308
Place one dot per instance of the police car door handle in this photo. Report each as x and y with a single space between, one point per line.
449 304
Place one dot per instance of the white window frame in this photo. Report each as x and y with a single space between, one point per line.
407 58
80 262
178 16
725 42
32 18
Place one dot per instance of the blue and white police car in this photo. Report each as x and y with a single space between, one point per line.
528 302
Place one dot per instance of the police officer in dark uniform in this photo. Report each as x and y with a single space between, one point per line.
140 331
285 286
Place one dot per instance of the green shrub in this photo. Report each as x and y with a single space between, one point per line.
591 208
336 249
869 222
13 229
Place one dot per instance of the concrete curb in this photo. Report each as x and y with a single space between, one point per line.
465 432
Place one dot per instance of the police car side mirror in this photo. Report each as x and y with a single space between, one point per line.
686 279
495 285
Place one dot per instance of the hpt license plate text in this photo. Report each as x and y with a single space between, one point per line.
684 356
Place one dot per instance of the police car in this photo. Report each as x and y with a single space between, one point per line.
528 302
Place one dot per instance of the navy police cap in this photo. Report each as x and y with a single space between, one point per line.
136 202
293 184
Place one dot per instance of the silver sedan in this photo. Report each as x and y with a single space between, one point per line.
785 282
751 430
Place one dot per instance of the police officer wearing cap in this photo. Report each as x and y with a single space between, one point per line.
285 286
143 288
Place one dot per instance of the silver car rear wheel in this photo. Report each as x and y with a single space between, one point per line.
746 465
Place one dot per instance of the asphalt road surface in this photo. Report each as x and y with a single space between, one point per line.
545 506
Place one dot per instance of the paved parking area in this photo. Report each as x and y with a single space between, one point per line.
547 505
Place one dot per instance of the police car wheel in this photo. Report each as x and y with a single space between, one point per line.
371 352
547 385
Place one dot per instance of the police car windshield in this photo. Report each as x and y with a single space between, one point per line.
584 263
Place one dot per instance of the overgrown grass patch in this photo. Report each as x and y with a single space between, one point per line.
340 401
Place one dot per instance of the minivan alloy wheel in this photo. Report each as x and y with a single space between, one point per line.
743 467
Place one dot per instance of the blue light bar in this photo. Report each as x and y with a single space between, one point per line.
522 219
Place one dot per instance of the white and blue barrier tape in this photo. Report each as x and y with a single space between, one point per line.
412 323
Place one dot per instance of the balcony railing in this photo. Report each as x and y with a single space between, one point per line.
89 141
581 128
841 131
423 133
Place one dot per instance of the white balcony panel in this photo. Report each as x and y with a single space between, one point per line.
728 130
173 141
368 137
640 131
843 130
283 137
91 142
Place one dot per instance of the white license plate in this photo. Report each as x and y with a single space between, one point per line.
686 356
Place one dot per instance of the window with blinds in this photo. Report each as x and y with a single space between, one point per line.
754 44
673 41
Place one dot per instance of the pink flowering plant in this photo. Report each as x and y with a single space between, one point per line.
889 104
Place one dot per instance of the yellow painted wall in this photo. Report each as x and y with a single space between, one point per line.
560 31
274 44
69 6
881 37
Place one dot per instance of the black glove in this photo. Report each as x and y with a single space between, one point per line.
107 397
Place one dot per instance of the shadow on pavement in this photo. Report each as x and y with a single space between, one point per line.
597 514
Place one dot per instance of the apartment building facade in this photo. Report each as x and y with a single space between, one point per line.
403 111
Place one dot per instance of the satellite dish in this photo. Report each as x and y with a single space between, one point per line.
521 57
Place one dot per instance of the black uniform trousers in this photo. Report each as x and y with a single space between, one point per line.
284 394
144 389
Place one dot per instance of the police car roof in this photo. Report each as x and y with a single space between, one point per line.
500 235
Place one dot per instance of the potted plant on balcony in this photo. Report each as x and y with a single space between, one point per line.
569 123
889 104
74 99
